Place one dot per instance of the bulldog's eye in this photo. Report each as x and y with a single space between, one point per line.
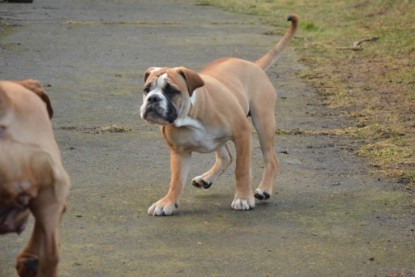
170 90
146 89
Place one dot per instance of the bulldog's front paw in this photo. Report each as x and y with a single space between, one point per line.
162 207
27 265
243 204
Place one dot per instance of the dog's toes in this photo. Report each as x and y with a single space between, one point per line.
261 195
201 184
162 208
242 205
27 266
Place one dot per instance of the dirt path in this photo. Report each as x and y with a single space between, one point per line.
328 217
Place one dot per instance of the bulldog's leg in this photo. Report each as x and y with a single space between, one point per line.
264 121
179 164
244 198
40 256
27 262
223 160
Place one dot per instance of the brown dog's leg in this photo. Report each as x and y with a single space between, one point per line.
223 160
40 256
27 262
264 121
179 163
244 198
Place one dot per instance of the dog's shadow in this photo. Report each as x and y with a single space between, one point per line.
210 204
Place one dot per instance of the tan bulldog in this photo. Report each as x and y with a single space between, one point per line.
202 111
32 178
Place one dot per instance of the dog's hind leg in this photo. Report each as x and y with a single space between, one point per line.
223 160
264 121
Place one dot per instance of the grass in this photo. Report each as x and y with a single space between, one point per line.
374 85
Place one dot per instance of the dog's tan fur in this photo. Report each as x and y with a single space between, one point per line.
205 110
32 178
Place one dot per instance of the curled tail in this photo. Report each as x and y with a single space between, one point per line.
272 56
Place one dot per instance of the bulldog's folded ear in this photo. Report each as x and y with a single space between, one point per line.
37 88
193 80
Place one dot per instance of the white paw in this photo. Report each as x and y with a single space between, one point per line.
242 204
262 194
162 207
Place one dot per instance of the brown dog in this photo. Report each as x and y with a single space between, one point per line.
202 111
32 178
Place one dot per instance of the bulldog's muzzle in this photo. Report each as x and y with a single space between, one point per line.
14 211
157 109
13 219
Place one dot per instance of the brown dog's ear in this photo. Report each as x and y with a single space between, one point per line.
193 80
37 88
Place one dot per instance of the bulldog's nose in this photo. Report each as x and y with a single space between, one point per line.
153 99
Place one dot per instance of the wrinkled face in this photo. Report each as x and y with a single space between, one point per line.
23 169
160 100
14 193
13 220
167 93
14 210
15 196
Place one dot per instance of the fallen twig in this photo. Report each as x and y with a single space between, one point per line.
357 45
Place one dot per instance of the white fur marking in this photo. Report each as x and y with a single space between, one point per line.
155 91
155 69
193 97
188 122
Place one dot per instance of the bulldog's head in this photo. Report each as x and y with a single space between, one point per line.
167 93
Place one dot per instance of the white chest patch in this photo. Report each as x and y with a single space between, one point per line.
188 122
198 139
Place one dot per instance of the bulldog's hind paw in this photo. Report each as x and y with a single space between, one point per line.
200 183
261 194
27 265
162 207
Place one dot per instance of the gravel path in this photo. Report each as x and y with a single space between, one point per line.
329 216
